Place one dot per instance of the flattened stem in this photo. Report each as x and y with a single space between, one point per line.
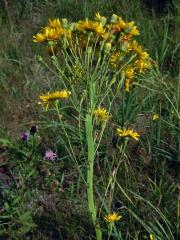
90 170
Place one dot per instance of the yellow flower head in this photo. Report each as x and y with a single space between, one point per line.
127 133
134 31
112 217
119 26
48 34
155 117
126 38
143 55
142 65
50 97
101 114
39 38
152 237
128 83
53 31
54 23
100 18
129 72
114 58
135 47
89 25
130 24
64 94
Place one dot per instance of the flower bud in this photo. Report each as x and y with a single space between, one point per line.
108 47
114 18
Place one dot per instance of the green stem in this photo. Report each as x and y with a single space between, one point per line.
90 168
110 230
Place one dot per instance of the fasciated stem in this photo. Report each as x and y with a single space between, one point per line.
90 170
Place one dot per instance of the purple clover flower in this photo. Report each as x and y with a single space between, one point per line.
24 136
50 155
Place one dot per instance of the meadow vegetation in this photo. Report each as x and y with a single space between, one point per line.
90 120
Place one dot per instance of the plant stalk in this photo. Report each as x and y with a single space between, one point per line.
90 168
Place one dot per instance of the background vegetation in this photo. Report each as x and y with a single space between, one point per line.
46 200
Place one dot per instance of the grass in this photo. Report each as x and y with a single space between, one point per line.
43 199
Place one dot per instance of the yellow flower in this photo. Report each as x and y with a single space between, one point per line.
48 34
127 133
155 117
50 97
115 56
89 25
119 26
142 62
130 24
55 95
53 31
143 55
129 72
105 35
152 237
134 31
54 23
100 18
101 114
39 38
126 38
141 65
128 84
134 46
112 217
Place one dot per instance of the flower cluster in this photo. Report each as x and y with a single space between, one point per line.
102 115
52 32
108 40
113 36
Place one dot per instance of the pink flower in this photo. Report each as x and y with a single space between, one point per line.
50 155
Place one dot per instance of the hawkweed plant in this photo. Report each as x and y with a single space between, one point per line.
96 63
